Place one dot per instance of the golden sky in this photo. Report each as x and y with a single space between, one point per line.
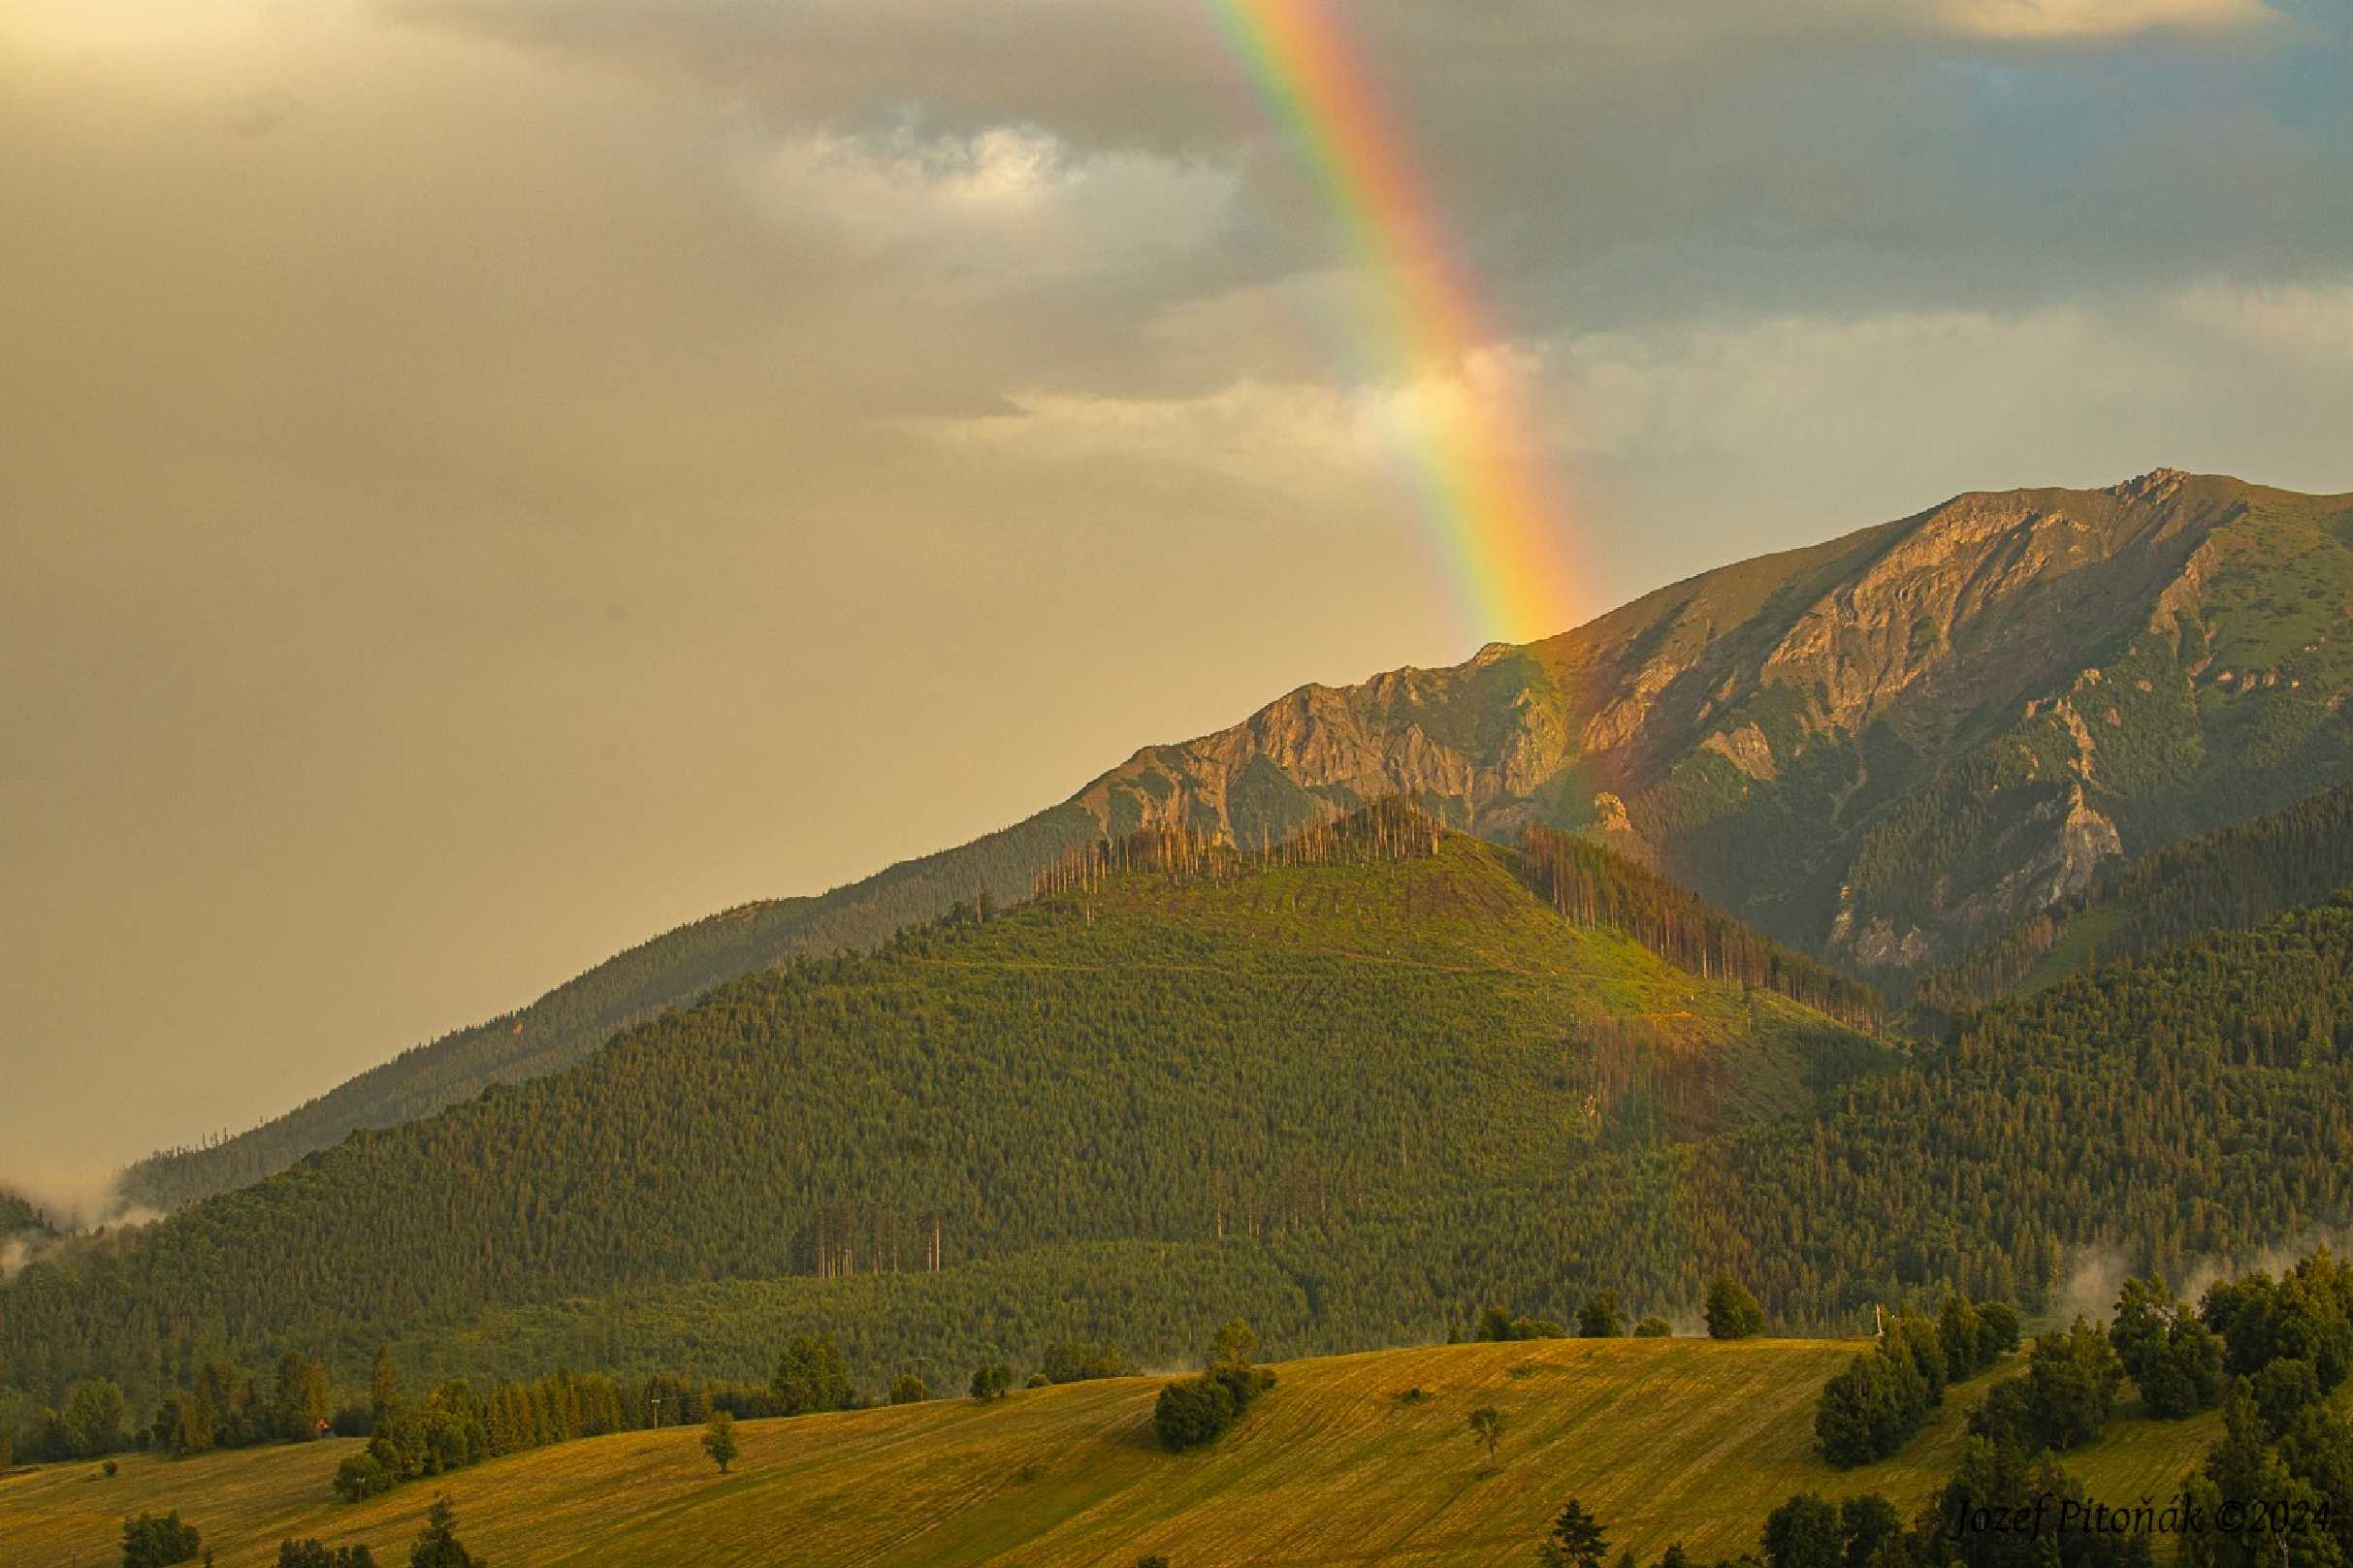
484 481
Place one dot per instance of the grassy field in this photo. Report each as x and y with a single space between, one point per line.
1667 1440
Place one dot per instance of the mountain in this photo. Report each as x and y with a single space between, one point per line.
1881 751
2238 876
1877 748
1183 1074
1668 1440
1350 1088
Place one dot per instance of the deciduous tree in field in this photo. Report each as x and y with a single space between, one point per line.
1487 1426
1732 1312
157 1540
718 1440
1600 1317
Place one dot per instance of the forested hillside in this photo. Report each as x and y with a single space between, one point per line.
1320 1056
16 1215
2235 876
2193 1105
1352 1099
576 1017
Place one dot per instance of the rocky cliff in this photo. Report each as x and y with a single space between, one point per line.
1873 747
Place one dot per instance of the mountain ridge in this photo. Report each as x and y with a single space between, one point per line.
1876 748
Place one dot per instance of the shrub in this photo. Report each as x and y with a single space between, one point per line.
1195 1410
909 1389
1652 1326
1075 1361
1190 1412
1495 1324
361 1477
991 1382
316 1555
152 1541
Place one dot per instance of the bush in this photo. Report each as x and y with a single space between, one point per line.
1495 1324
1195 1410
1039 1380
1192 1410
316 1555
361 1476
1652 1327
1075 1361
1600 1317
991 1382
150 1541
909 1389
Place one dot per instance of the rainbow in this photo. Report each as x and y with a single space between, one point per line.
1497 519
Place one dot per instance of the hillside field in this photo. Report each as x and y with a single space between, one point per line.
1668 1440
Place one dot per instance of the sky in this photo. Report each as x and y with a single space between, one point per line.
485 480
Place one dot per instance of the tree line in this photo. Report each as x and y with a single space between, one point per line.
1343 1150
1596 887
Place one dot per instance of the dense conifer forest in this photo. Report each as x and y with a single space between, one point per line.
1351 1098
2236 876
577 1016
1593 886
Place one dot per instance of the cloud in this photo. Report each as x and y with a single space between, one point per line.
2039 19
999 206
2314 324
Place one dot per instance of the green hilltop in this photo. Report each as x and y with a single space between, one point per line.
1303 1073
1350 1089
